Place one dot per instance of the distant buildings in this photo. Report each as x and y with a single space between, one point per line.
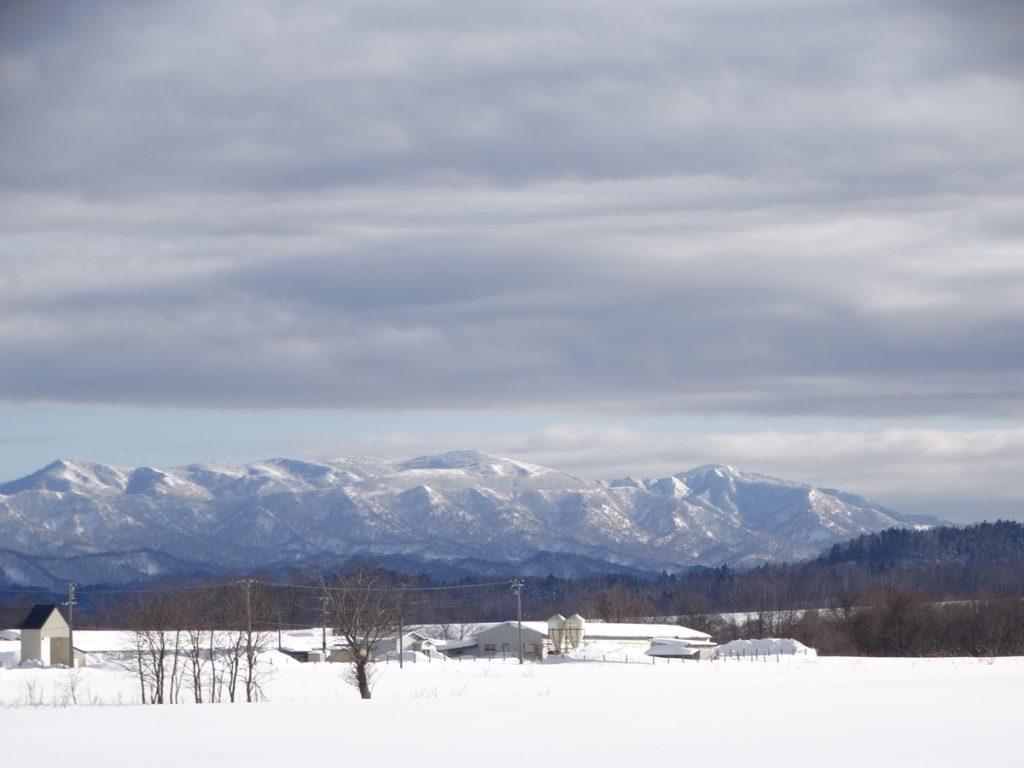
561 635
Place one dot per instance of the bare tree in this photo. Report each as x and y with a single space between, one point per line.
695 613
237 656
196 609
229 655
155 624
71 685
365 606
620 603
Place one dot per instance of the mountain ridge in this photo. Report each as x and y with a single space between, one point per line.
457 506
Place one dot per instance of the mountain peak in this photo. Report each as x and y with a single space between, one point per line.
468 459
69 475
719 472
472 462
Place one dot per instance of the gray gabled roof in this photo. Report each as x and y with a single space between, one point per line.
38 615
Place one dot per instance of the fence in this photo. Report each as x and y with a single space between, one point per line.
732 655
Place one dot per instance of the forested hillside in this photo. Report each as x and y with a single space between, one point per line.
981 544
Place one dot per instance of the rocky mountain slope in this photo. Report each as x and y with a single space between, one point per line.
96 523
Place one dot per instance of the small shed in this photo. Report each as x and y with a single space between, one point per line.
46 637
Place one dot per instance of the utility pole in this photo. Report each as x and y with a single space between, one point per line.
401 648
323 637
517 587
248 607
71 623
248 621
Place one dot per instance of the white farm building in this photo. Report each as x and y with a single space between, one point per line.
560 635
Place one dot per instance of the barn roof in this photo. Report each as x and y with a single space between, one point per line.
599 629
38 615
454 645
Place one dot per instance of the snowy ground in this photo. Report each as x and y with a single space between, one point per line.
788 711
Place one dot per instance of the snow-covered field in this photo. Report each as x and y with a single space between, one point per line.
787 711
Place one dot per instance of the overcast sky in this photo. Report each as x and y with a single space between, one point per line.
614 238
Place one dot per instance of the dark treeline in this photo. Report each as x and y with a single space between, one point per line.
981 544
901 623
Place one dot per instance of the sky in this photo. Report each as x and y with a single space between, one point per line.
610 238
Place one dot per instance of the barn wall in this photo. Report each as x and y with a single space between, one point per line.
505 639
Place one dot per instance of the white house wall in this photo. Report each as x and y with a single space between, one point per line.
31 646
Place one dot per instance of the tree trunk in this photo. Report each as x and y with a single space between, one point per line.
362 679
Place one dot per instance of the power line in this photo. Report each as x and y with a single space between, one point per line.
282 585
149 590
399 588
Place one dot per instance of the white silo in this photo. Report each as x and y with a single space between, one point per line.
556 633
575 628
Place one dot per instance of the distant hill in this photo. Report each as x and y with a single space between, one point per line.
463 513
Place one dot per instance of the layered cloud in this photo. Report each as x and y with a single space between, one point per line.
551 296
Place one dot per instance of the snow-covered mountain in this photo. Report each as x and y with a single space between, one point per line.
92 522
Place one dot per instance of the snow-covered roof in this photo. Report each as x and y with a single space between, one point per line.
600 629
536 626
454 645
102 640
671 646
414 633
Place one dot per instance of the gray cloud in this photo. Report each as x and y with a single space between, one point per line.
732 207
282 98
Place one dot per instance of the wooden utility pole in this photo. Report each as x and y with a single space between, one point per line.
517 587
71 623
323 637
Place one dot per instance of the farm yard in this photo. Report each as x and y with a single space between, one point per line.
777 710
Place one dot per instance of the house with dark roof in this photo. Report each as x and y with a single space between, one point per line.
46 637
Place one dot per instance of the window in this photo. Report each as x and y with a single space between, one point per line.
489 648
